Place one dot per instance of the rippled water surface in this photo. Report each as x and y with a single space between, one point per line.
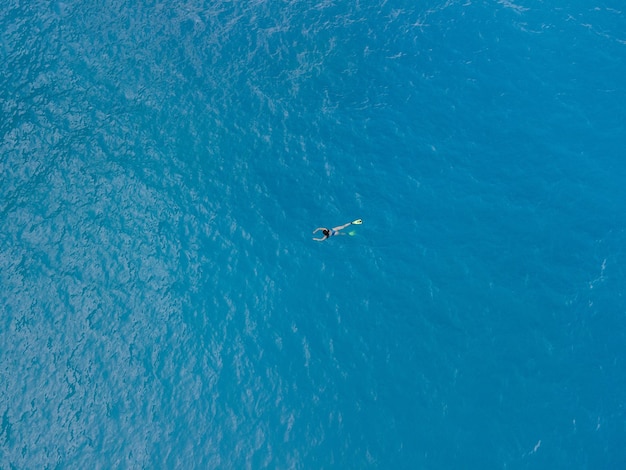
162 167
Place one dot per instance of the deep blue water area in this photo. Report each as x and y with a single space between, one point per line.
162 167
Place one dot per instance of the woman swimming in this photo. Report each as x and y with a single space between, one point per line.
329 232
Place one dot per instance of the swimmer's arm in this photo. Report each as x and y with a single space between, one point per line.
319 239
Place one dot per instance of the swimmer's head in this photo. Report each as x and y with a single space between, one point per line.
326 232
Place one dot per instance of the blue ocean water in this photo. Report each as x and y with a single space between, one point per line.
162 167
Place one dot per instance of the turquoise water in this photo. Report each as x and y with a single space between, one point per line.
164 164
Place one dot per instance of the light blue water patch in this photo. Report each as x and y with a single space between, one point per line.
164 304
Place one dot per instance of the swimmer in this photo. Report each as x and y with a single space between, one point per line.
334 231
